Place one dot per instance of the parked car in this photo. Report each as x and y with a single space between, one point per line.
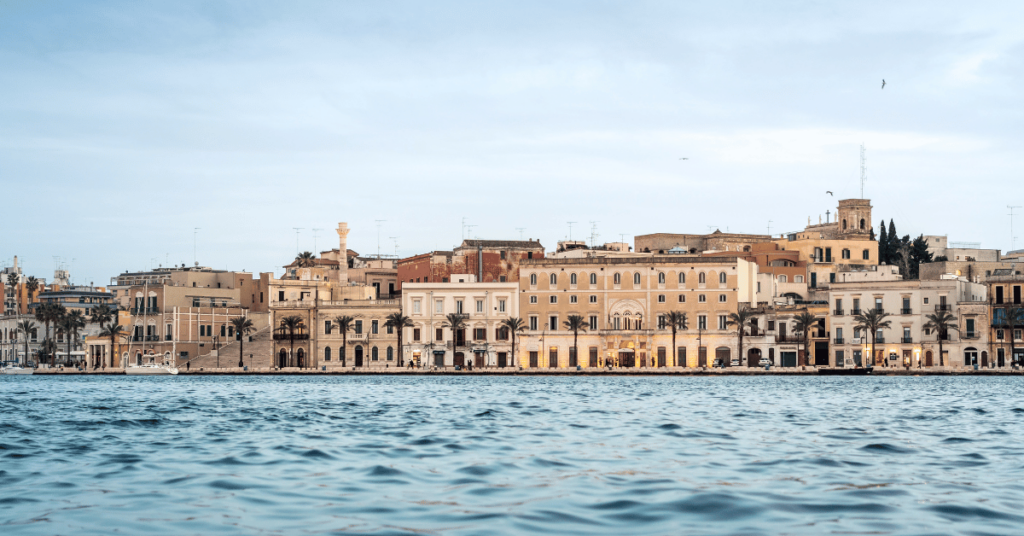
734 363
717 363
764 362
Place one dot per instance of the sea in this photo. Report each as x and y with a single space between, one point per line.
479 455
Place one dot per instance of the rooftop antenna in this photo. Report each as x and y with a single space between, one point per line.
520 229
463 227
863 169
769 228
297 229
570 229
1012 238
710 227
395 239
470 227
314 240
195 231
378 236
593 233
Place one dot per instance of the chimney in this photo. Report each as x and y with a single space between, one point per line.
343 254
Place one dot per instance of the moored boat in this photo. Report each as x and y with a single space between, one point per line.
151 369
861 371
15 369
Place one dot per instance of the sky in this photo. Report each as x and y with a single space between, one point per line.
124 126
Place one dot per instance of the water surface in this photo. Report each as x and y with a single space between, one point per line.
498 455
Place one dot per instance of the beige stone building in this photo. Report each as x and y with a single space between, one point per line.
482 343
1005 287
624 301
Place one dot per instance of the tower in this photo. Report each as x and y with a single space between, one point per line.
343 253
854 218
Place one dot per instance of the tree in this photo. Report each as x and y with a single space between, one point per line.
941 258
894 243
48 347
305 259
25 327
345 324
292 323
515 326
243 327
941 322
883 245
31 286
455 322
740 320
48 313
114 332
399 322
575 324
102 314
69 325
676 321
903 257
919 254
1014 318
871 321
802 324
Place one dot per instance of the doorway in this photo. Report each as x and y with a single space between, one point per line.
282 358
970 357
460 359
502 359
300 358
479 360
788 359
359 356
533 359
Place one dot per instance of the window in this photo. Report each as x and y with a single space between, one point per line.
701 278
771 325
865 254
479 306
552 299
327 327
533 280
999 334
501 306
721 278
416 307
593 322
553 323
701 298
501 334
636 278
593 298
458 306
572 299
846 254
682 278
439 306
593 279
533 299
553 280
617 279
783 279
502 255
722 298
479 334
439 334
661 321
661 278
533 323
390 328
280 297
416 334
682 298
327 353
661 298
373 327
722 322
374 354
798 279
572 279
391 354
878 304
359 327
702 322
223 331
926 301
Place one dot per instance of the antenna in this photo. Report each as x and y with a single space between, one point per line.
378 236
520 229
470 227
297 229
769 228
593 232
570 229
314 240
463 227
195 231
395 239
863 169
1012 238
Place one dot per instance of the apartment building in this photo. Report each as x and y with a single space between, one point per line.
1005 287
492 261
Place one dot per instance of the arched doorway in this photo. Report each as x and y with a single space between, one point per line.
970 357
928 358
138 359
1001 357
984 358
282 358
627 358
359 356
300 358
722 353
460 359
753 357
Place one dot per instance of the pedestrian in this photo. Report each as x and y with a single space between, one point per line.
187 365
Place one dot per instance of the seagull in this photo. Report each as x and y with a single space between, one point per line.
829 192
684 158
883 83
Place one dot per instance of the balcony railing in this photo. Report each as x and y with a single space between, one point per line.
907 340
787 338
839 340
879 310
878 340
838 312
942 307
287 337
145 310
970 335
906 312
854 312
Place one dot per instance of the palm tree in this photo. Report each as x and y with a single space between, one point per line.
243 326
802 324
1014 318
873 320
47 313
48 347
515 326
305 259
740 320
32 285
941 322
676 320
103 313
114 332
12 281
399 322
69 325
456 322
26 327
292 323
345 324
575 324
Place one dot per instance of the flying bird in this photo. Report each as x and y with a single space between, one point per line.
883 83
829 192
684 158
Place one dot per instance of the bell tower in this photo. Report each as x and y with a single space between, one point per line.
854 218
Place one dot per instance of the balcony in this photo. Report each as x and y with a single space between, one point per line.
879 310
906 311
878 340
943 307
854 312
287 337
838 312
787 338
145 310
907 340
970 335
167 337
856 340
839 340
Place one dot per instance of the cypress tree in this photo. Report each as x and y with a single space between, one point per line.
894 243
883 245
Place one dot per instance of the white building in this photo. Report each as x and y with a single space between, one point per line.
483 342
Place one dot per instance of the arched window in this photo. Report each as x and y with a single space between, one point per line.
533 279
553 279
617 279
327 353
783 279
721 278
593 279
862 224
572 279
701 278
682 278
636 278
661 278
374 355
391 354
798 279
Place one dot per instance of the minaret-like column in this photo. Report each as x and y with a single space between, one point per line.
343 253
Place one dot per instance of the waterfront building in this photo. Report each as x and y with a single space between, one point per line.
625 302
482 342
1005 287
495 261
907 342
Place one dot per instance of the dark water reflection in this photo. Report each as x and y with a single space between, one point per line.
511 455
